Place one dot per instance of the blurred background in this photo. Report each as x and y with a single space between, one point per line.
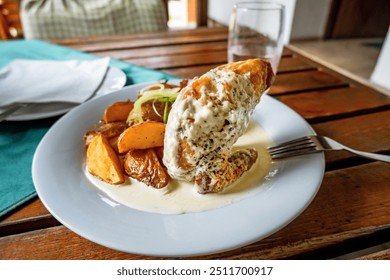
342 34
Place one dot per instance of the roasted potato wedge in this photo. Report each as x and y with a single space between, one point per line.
108 130
114 143
143 135
103 162
145 166
118 111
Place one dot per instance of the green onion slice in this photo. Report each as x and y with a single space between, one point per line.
161 94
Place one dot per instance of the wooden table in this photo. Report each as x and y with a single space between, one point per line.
352 209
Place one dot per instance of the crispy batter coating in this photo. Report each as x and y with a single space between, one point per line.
208 117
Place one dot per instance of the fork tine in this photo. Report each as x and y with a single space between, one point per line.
292 148
296 142
300 146
293 153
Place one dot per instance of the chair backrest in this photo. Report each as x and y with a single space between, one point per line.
381 74
53 19
10 24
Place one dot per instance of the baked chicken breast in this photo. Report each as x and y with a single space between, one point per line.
208 117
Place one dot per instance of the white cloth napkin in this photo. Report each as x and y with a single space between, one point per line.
41 81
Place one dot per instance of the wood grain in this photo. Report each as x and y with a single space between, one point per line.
71 42
141 43
34 208
287 64
171 50
361 19
304 81
380 255
335 103
31 216
294 64
351 206
356 200
191 71
181 60
369 133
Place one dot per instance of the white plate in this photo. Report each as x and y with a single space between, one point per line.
71 198
114 80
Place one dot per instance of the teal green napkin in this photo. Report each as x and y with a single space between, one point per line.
18 140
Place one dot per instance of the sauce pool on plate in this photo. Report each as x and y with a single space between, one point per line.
181 197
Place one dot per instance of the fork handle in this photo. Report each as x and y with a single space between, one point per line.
10 110
380 157
337 145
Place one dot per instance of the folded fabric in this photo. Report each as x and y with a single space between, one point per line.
45 19
41 81
18 140
38 50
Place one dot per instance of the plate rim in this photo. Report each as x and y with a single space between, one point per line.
319 158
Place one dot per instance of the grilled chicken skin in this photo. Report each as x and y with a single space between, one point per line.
208 117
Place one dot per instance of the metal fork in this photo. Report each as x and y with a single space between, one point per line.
12 109
313 144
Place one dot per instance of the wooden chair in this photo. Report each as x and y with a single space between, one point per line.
201 17
10 24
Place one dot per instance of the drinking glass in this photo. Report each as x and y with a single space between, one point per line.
256 29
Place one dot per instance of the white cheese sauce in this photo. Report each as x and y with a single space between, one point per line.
182 197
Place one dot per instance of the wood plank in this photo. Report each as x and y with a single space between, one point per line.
355 207
356 200
287 52
335 103
294 64
36 212
206 56
192 71
286 65
361 18
180 60
171 50
304 81
380 255
31 216
344 76
34 208
142 43
141 36
369 132
28 224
